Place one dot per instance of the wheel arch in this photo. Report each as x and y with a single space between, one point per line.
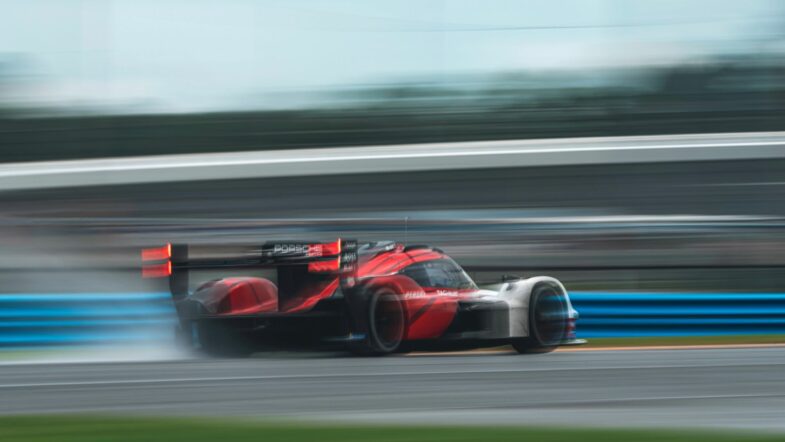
518 294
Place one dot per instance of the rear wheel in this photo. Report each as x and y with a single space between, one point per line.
218 340
386 323
548 319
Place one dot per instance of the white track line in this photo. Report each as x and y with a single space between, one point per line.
359 375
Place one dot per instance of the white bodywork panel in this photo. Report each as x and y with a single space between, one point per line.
517 294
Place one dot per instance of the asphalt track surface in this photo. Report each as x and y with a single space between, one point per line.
716 388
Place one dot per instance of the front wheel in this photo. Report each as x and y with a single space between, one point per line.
548 319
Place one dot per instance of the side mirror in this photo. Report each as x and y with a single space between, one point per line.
510 278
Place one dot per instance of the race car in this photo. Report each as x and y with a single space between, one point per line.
374 298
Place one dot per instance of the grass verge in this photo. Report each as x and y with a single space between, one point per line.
126 429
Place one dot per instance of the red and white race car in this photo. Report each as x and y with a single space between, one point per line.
373 298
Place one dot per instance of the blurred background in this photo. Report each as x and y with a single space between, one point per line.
84 78
634 149
99 79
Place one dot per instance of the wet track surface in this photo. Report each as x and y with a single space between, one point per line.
739 388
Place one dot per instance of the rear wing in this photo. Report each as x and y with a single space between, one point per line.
173 261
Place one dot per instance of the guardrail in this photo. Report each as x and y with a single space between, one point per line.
393 158
678 314
63 319
52 320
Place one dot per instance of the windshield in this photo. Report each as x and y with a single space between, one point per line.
440 273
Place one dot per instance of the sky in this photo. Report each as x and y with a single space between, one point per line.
192 55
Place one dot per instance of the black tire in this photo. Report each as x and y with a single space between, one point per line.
182 339
217 340
386 323
548 319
